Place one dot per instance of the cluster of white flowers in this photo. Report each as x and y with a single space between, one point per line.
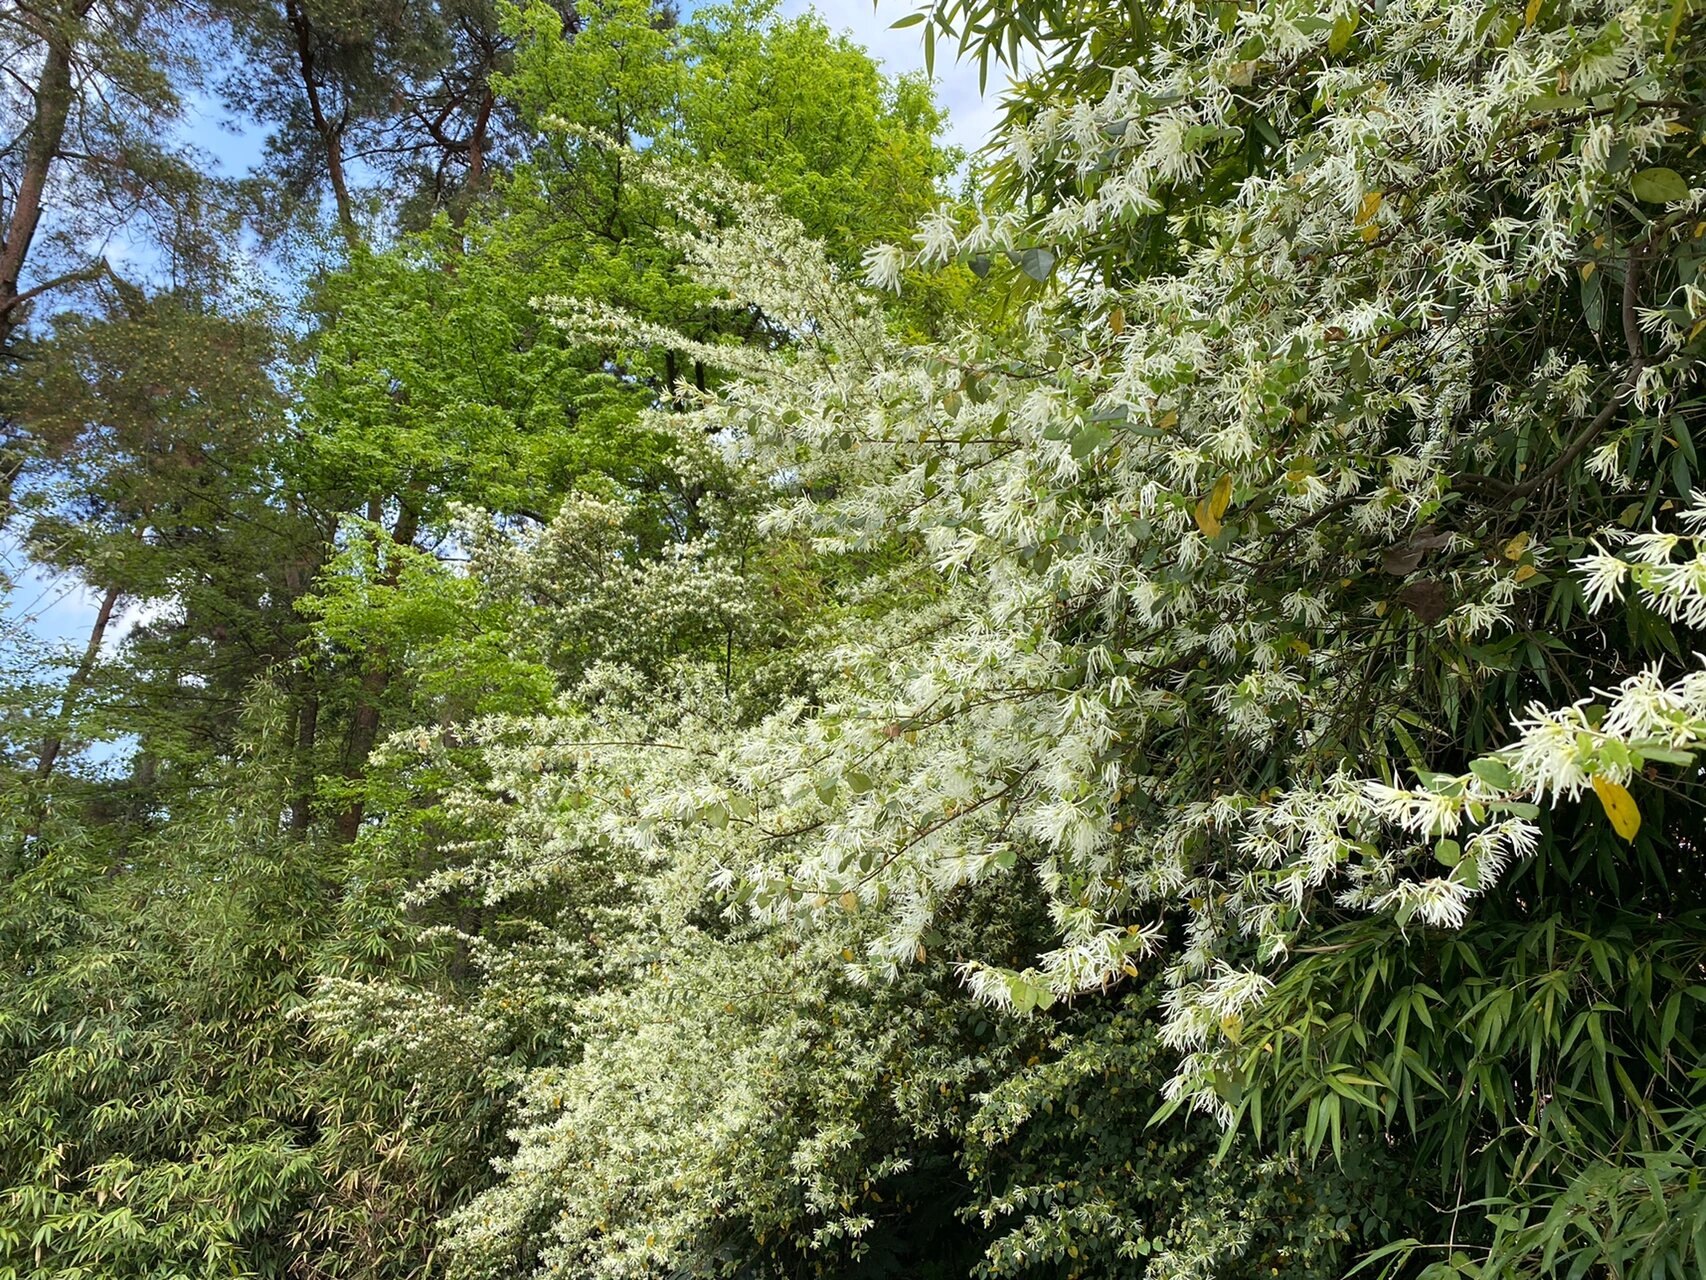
1185 537
1671 584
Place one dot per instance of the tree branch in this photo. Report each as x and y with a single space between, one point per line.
82 274
1637 259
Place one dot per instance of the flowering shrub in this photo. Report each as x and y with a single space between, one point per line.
1322 530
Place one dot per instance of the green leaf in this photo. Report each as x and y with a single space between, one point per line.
1340 37
1663 755
1037 262
1089 438
1494 772
1659 186
1593 300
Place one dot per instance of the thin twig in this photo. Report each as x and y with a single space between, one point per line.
1587 435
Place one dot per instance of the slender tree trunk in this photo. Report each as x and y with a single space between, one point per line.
298 577
11 466
474 146
132 813
74 687
53 92
307 732
477 143
375 680
331 132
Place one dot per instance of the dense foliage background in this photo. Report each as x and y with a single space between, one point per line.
687 682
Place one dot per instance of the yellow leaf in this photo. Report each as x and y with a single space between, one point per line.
1168 420
1588 268
1532 14
1221 498
1695 331
1116 320
1205 520
1365 214
1209 511
1619 807
850 901
1516 546
1525 572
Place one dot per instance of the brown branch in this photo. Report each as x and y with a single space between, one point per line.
53 97
54 741
80 275
331 135
1587 435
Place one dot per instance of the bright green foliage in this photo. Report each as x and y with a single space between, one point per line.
783 103
807 116
1159 735
435 384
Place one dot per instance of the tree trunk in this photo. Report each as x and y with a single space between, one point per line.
375 680
298 578
477 143
331 132
55 740
53 94
307 731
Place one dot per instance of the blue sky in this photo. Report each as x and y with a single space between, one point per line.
61 610
970 116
